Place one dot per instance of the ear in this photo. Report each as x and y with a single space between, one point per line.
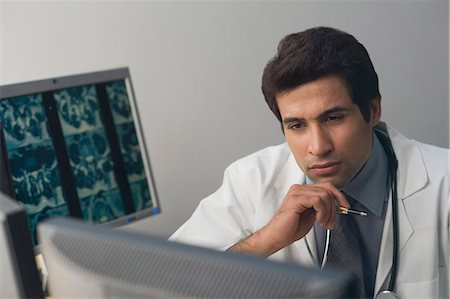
375 111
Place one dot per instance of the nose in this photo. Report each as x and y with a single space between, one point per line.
320 143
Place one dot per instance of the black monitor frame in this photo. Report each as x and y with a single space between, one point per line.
20 277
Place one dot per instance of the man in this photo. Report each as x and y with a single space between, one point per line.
280 201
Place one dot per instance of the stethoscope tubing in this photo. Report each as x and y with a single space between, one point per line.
393 166
325 254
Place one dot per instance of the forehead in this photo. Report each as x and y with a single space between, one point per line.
315 97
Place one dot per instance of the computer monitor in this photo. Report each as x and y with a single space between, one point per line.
76 148
19 276
86 261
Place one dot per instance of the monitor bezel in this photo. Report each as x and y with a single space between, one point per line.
14 228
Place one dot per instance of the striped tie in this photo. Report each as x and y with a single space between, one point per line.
344 251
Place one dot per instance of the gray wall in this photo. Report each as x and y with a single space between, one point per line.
196 68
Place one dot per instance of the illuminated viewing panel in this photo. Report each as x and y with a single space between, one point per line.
76 148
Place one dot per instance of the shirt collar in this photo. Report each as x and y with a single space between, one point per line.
369 187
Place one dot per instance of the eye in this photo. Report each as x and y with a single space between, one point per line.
296 126
332 118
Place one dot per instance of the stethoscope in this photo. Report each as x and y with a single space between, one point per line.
385 141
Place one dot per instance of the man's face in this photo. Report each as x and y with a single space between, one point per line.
326 131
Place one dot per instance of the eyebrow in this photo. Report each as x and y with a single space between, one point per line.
289 120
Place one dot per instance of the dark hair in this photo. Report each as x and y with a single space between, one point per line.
316 53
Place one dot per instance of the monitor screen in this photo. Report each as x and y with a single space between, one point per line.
19 276
76 148
86 261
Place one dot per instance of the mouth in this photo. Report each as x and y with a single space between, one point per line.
324 169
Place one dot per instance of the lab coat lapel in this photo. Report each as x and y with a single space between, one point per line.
412 177
387 245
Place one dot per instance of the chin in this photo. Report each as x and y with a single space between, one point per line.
338 183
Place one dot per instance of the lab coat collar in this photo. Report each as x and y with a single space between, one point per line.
412 174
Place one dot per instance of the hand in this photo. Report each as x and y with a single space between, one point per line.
301 207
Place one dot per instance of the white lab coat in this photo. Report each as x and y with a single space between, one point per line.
254 187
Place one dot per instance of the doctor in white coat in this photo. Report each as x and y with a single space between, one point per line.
323 88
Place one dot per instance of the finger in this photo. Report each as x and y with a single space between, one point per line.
331 207
321 200
327 216
325 208
320 203
339 196
330 198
